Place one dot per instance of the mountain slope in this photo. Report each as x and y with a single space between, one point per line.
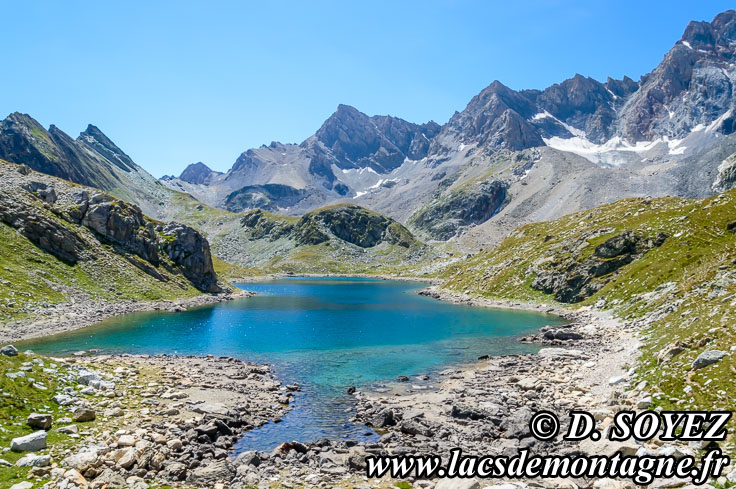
64 243
665 264
92 160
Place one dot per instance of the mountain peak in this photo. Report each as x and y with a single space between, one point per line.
94 138
721 32
198 173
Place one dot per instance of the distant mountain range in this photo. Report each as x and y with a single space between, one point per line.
508 158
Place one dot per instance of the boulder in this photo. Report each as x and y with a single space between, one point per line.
62 399
39 421
464 412
562 334
126 441
108 479
22 485
457 483
248 458
210 430
83 415
9 351
669 352
383 419
29 443
34 461
128 458
85 377
76 478
559 353
81 460
72 429
708 358
517 425
208 475
174 471
286 447
411 427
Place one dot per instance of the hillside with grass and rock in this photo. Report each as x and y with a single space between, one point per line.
69 247
343 238
664 266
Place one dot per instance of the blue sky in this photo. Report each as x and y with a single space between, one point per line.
177 82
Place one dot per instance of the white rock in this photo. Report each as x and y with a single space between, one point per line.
81 459
22 485
457 483
644 403
34 461
559 353
85 377
126 441
29 443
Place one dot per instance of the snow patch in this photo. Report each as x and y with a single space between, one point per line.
687 44
572 130
600 153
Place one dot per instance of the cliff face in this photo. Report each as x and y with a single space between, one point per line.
53 215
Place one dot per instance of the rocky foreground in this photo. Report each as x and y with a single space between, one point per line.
143 422
135 421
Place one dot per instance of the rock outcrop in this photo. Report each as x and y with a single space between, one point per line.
353 224
58 219
42 230
446 216
269 197
571 278
350 223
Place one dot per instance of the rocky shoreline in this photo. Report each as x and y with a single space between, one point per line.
133 420
62 318
180 427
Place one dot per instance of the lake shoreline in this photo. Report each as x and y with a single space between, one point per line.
481 406
70 317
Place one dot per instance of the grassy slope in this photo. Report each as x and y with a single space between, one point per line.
31 277
683 291
18 399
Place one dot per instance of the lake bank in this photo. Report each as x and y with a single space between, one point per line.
478 405
63 318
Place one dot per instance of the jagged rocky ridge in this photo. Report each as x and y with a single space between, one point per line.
664 134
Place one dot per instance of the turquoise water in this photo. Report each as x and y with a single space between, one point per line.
326 334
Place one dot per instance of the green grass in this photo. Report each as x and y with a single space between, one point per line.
686 289
228 271
18 399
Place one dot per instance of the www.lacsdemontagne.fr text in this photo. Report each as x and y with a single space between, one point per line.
641 470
